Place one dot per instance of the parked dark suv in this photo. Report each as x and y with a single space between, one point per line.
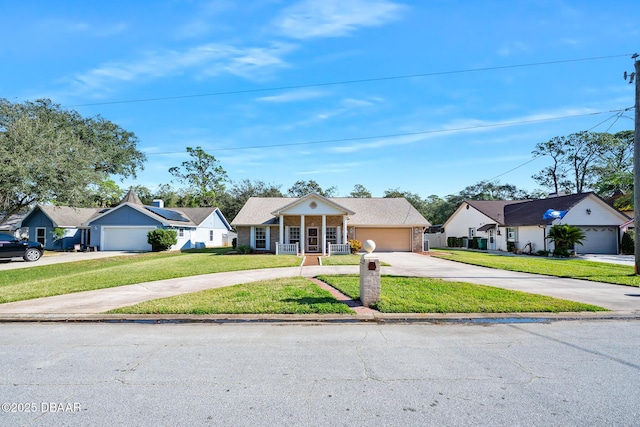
11 247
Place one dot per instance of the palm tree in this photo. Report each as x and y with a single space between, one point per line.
565 237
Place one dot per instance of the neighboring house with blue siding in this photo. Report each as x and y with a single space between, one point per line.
125 227
43 219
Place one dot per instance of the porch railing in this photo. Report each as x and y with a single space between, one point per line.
287 248
339 249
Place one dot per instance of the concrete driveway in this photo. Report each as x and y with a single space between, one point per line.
621 299
60 257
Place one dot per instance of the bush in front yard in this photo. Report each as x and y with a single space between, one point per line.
627 246
244 249
355 245
161 239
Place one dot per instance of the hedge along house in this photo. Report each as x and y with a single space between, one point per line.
513 224
317 224
125 227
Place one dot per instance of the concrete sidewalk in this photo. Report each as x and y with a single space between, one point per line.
620 299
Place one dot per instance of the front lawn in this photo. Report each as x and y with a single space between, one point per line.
293 295
64 278
559 267
425 295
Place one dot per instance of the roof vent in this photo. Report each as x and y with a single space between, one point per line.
558 194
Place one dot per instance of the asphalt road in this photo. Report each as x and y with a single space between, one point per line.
561 373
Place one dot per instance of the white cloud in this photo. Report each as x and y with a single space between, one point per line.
294 96
206 20
335 18
512 48
205 60
86 29
457 127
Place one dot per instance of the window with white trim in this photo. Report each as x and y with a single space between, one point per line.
512 234
180 232
261 238
211 235
294 234
472 232
332 235
41 235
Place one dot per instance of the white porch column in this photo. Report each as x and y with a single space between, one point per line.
303 239
345 237
324 235
281 226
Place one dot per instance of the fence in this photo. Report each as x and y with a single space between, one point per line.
339 249
287 248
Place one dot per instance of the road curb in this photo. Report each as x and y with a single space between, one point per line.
379 318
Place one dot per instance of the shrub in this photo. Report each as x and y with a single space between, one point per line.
565 237
561 252
627 246
355 245
543 253
161 239
244 249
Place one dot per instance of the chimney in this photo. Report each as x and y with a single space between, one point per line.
158 203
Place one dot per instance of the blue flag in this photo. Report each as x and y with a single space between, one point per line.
554 214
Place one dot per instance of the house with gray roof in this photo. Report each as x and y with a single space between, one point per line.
43 219
125 227
317 224
12 225
521 225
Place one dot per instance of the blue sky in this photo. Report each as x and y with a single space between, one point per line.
252 82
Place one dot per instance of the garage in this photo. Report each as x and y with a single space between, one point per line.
599 240
125 238
387 239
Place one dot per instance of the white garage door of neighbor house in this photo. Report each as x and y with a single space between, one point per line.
125 238
599 240
387 239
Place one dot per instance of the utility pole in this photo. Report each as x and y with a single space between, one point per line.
636 162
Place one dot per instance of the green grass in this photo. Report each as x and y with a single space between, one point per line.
64 278
425 295
352 259
559 267
293 295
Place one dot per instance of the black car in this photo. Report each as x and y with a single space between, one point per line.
11 247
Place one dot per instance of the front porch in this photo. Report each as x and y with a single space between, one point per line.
294 249
317 234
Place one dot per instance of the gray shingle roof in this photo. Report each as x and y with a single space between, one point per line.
391 212
526 212
494 209
66 216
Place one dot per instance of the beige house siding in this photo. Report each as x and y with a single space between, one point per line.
273 238
244 235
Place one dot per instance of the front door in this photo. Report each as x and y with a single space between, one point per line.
313 241
492 239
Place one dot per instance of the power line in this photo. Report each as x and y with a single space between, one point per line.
617 115
395 135
345 82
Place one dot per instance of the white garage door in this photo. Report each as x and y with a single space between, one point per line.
599 240
387 239
125 238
